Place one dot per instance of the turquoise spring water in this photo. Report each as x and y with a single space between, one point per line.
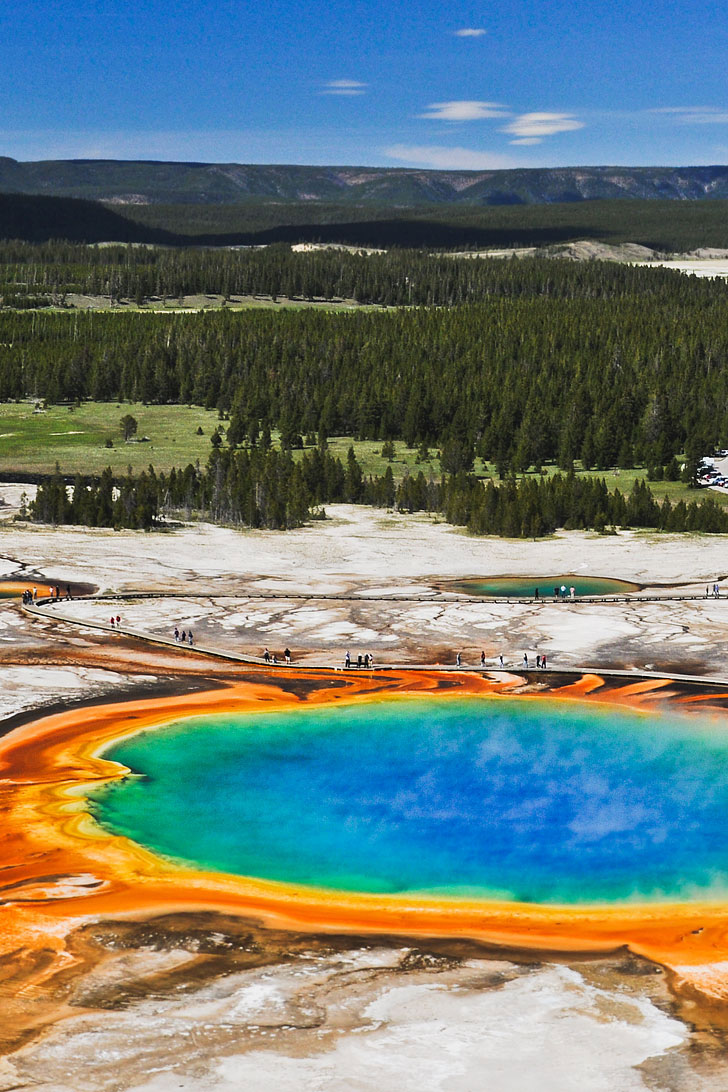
525 586
540 801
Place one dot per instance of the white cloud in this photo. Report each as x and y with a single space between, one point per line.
464 110
344 87
526 140
534 127
470 32
449 159
694 115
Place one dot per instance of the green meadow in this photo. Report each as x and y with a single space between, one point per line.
76 438
33 441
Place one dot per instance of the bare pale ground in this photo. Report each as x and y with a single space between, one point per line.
209 1009
365 553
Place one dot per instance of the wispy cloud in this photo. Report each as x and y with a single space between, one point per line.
534 127
470 32
343 87
464 110
694 115
449 159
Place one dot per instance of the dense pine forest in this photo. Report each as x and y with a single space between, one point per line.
521 362
608 364
48 273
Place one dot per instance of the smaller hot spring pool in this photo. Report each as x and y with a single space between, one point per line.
526 587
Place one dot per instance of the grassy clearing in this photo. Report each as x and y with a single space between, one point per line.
75 438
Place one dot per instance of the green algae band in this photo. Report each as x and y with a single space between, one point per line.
524 587
537 800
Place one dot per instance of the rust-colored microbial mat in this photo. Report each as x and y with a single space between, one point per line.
61 869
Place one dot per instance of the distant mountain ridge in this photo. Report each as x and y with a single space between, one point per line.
129 182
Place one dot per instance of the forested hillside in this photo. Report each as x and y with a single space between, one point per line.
663 225
145 181
540 361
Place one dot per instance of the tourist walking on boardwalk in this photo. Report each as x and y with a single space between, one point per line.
176 634
572 592
543 662
371 660
189 638
457 659
359 660
538 661
500 660
482 659
266 655
287 654
347 660
525 660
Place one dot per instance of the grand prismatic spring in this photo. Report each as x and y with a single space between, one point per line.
582 819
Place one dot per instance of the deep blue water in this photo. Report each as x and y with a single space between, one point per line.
534 800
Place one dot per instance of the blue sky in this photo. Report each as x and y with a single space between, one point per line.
426 84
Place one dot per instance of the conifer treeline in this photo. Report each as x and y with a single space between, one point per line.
101 502
395 278
520 381
264 487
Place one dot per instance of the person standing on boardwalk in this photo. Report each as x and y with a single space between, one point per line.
287 654
543 663
457 659
538 661
347 659
266 655
525 660
500 660
482 659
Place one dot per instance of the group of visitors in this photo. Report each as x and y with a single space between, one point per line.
30 595
272 658
716 591
561 592
366 661
115 620
540 660
183 638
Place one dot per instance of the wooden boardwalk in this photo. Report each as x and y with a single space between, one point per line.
48 609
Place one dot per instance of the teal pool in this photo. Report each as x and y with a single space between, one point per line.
526 586
539 800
